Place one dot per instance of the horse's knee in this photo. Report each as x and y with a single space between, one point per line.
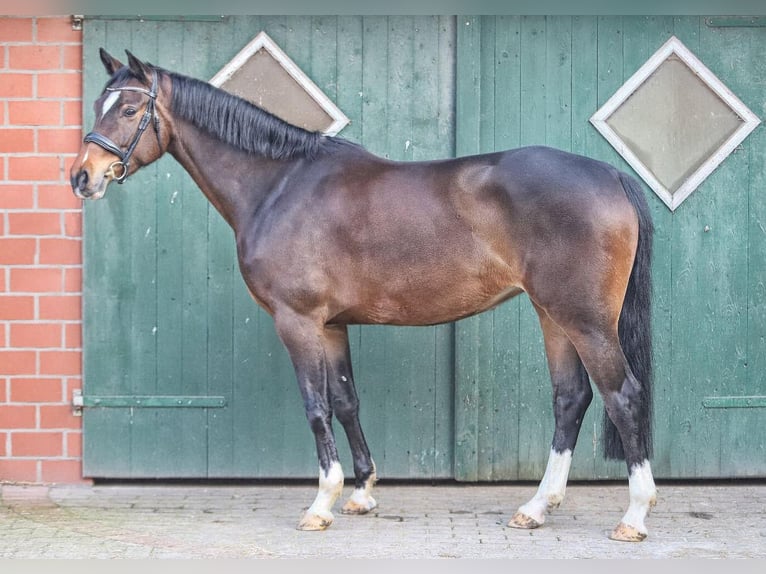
318 418
572 400
346 409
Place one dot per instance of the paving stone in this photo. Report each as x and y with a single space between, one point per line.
413 521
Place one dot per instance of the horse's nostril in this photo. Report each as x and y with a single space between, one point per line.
81 180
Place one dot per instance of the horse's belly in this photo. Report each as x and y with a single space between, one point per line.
426 302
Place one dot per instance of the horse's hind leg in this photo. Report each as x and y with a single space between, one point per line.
571 396
603 357
305 340
345 405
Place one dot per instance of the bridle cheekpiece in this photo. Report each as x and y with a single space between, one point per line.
150 113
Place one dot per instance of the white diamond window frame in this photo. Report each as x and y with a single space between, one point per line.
749 121
264 42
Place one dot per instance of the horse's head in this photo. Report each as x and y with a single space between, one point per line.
130 105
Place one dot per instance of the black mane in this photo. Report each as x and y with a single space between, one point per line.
243 125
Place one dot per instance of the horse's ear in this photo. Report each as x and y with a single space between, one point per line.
141 70
111 64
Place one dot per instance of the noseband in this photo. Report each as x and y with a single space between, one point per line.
149 113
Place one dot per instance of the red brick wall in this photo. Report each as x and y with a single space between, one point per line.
40 250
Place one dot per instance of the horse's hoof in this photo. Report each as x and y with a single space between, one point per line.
627 533
355 507
521 520
311 521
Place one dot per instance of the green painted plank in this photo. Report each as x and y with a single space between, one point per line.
174 443
728 52
584 101
485 381
106 444
468 137
505 360
223 273
444 335
642 37
535 396
751 457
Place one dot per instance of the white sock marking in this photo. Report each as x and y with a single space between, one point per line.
552 487
643 495
363 495
330 487
109 102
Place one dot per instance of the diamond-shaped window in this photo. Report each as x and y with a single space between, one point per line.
263 74
674 122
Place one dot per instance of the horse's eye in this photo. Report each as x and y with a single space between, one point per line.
130 112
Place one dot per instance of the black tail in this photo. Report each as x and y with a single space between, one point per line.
635 326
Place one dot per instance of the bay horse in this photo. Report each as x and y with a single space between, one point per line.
328 235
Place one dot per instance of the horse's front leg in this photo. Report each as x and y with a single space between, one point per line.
304 340
345 405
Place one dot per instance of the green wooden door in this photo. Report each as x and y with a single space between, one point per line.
167 314
537 80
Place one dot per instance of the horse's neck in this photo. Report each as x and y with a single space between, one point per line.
234 181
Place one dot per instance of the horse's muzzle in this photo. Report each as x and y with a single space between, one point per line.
80 186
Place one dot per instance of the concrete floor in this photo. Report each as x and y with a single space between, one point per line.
718 520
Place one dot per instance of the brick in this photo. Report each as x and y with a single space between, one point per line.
36 390
60 362
15 29
34 57
18 470
74 444
59 85
34 223
73 114
34 113
60 251
17 363
73 336
63 140
71 57
17 196
73 280
56 196
73 224
37 443
17 251
63 471
37 335
3 343
34 168
3 440
58 417
17 140
58 29
37 280
16 85
17 308
17 417
61 307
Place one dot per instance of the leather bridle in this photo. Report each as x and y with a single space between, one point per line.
149 113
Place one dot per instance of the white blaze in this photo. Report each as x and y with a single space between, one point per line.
109 102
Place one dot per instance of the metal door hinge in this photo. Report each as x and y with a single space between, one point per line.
77 21
79 401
